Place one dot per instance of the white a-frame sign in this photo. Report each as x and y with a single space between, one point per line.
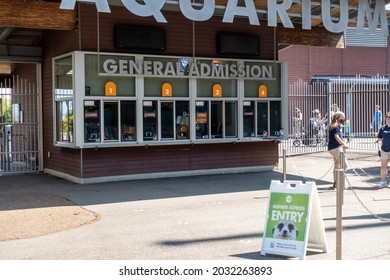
293 221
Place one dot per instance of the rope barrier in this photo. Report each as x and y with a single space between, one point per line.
357 196
350 186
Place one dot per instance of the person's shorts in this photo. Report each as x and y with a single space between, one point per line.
385 155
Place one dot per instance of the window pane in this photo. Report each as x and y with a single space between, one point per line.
153 87
216 119
273 85
205 87
262 119
95 84
275 118
167 122
182 120
249 119
128 121
230 119
91 121
202 120
63 78
111 121
64 113
150 120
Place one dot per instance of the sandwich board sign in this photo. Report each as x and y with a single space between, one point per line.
293 220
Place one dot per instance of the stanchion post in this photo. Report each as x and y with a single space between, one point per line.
284 166
339 212
341 184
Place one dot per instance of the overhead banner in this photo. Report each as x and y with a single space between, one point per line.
293 220
234 8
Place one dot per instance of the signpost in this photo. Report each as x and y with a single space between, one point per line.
293 220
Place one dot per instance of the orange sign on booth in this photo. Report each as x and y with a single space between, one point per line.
263 91
110 89
217 90
166 90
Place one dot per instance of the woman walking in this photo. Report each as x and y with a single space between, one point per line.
336 143
384 136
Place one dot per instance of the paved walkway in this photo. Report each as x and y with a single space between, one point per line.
202 217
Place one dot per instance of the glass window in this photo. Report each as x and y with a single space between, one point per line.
269 72
63 78
249 118
182 120
216 119
275 118
153 87
230 119
167 120
64 112
63 96
202 120
205 87
128 121
262 119
150 120
91 121
111 121
95 83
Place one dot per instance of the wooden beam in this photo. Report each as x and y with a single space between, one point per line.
36 14
317 36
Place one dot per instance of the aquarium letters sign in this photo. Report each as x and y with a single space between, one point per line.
275 10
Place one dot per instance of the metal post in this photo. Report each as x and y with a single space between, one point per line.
341 183
284 165
339 212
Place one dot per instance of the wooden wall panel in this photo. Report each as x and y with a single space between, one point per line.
141 160
55 43
179 33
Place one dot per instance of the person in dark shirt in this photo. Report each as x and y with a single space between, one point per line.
336 143
384 137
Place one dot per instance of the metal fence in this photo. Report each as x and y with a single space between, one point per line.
19 126
357 97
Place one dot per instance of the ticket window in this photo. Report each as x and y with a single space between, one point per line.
167 121
262 119
111 121
128 121
217 124
91 121
275 118
231 119
150 121
182 120
249 118
202 120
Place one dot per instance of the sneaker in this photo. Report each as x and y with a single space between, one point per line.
382 184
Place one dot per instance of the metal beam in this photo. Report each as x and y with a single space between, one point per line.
20 53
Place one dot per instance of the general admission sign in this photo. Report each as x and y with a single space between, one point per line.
275 10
